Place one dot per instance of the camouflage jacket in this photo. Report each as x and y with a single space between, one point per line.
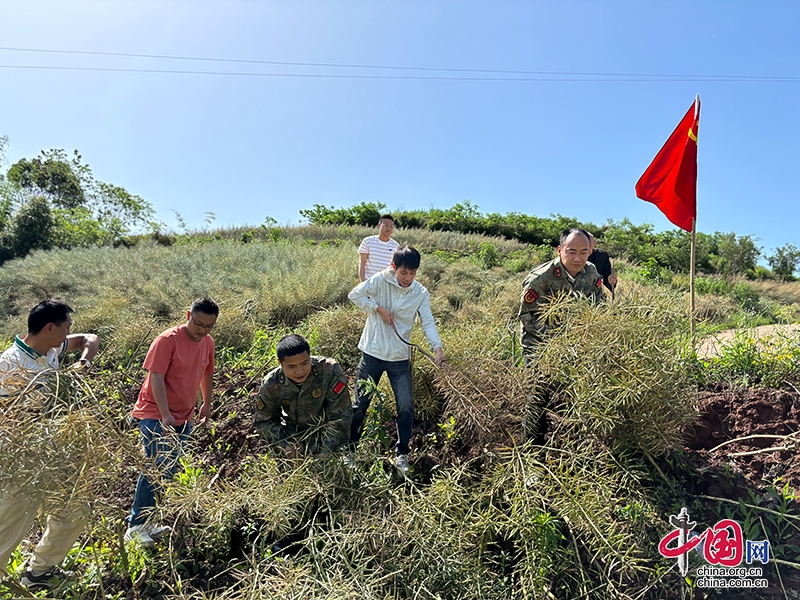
546 281
315 414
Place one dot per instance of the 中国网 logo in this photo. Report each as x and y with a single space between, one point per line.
721 545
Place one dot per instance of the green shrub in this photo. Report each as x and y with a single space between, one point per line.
651 272
745 295
712 285
762 273
487 256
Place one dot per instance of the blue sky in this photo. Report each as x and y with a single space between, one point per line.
248 147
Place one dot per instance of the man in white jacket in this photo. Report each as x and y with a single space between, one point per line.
392 300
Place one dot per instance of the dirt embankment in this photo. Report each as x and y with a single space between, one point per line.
736 461
753 432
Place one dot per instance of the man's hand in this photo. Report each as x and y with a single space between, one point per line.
205 414
612 279
82 365
168 421
386 315
439 358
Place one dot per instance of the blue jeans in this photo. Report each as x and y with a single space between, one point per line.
399 374
166 450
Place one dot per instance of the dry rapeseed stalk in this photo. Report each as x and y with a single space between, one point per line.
335 332
57 441
619 370
485 397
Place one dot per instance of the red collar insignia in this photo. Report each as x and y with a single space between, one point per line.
558 272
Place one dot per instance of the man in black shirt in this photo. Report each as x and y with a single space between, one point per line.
601 260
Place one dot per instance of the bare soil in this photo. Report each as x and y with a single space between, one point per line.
736 418
742 449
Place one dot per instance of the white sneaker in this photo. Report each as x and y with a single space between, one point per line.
147 535
158 531
139 534
401 463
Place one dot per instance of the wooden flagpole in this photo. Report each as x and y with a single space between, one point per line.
694 236
691 279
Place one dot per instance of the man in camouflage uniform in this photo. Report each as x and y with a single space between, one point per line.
569 273
304 405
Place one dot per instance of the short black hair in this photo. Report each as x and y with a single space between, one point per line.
407 257
569 231
390 217
291 345
52 310
206 306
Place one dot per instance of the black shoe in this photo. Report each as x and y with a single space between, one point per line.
44 579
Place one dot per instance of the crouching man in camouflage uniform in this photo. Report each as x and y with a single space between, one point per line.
569 273
304 404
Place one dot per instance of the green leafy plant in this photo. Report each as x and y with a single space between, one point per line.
747 360
377 415
449 432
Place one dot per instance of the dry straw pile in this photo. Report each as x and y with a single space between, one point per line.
57 443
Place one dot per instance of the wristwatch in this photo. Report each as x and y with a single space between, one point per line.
85 362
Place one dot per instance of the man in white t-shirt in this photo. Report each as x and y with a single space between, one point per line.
27 364
376 251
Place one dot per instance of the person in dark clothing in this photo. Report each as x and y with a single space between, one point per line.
602 262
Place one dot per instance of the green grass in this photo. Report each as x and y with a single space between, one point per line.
746 360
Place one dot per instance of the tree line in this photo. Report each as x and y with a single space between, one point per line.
717 253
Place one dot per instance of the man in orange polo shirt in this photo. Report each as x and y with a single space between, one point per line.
179 362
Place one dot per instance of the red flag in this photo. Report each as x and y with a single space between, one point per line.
670 182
